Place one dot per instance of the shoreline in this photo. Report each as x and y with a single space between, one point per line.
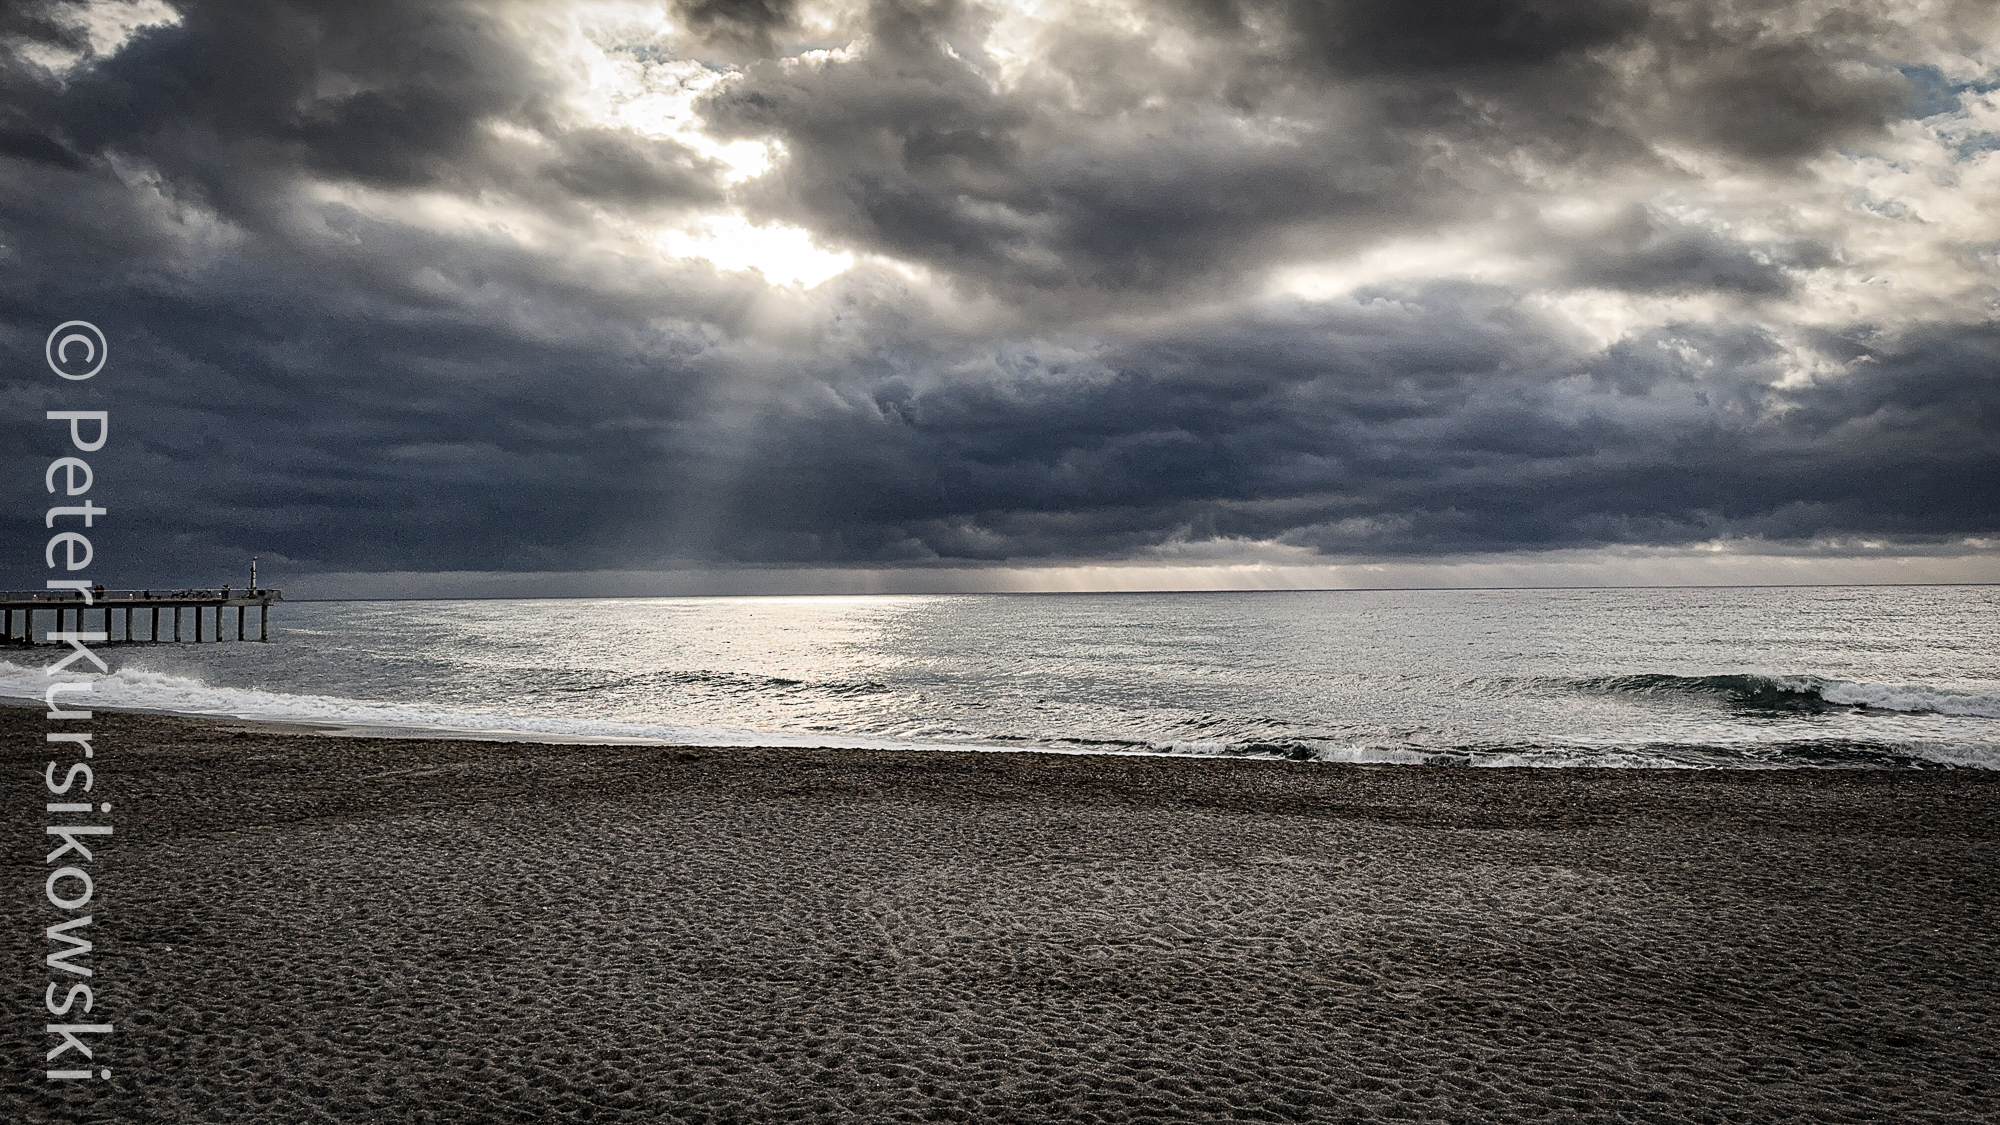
356 929
722 739
329 728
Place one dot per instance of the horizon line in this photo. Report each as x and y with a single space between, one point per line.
1130 593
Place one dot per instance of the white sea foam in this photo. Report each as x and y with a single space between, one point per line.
134 689
1915 698
1963 755
139 689
1593 758
1374 756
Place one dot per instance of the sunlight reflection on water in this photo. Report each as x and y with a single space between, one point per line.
1543 677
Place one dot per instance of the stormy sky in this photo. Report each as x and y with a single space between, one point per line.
535 294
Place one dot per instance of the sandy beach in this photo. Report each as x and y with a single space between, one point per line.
309 929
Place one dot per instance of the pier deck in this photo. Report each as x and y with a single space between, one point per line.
73 612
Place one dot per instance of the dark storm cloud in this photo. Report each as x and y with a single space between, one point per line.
1645 252
326 384
1438 427
377 93
748 27
241 101
1733 78
908 148
1127 178
348 391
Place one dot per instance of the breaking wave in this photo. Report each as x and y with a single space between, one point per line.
1804 694
1792 754
138 689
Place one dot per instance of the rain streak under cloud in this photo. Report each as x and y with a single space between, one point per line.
1249 288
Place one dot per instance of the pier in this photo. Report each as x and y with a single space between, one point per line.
140 611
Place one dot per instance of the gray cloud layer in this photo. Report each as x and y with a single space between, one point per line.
370 280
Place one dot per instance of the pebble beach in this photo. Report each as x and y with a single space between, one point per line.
301 928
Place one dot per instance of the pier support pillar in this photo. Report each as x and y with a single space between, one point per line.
239 622
28 627
107 623
198 617
155 638
218 623
177 624
10 624
264 622
128 624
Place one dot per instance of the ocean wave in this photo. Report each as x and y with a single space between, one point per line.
1324 752
570 681
751 683
1831 753
138 689
1805 694
1818 753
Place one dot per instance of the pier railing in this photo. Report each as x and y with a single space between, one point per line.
225 595
80 610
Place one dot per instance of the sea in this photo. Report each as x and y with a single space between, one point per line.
1878 677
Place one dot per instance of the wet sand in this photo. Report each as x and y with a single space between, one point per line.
307 929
